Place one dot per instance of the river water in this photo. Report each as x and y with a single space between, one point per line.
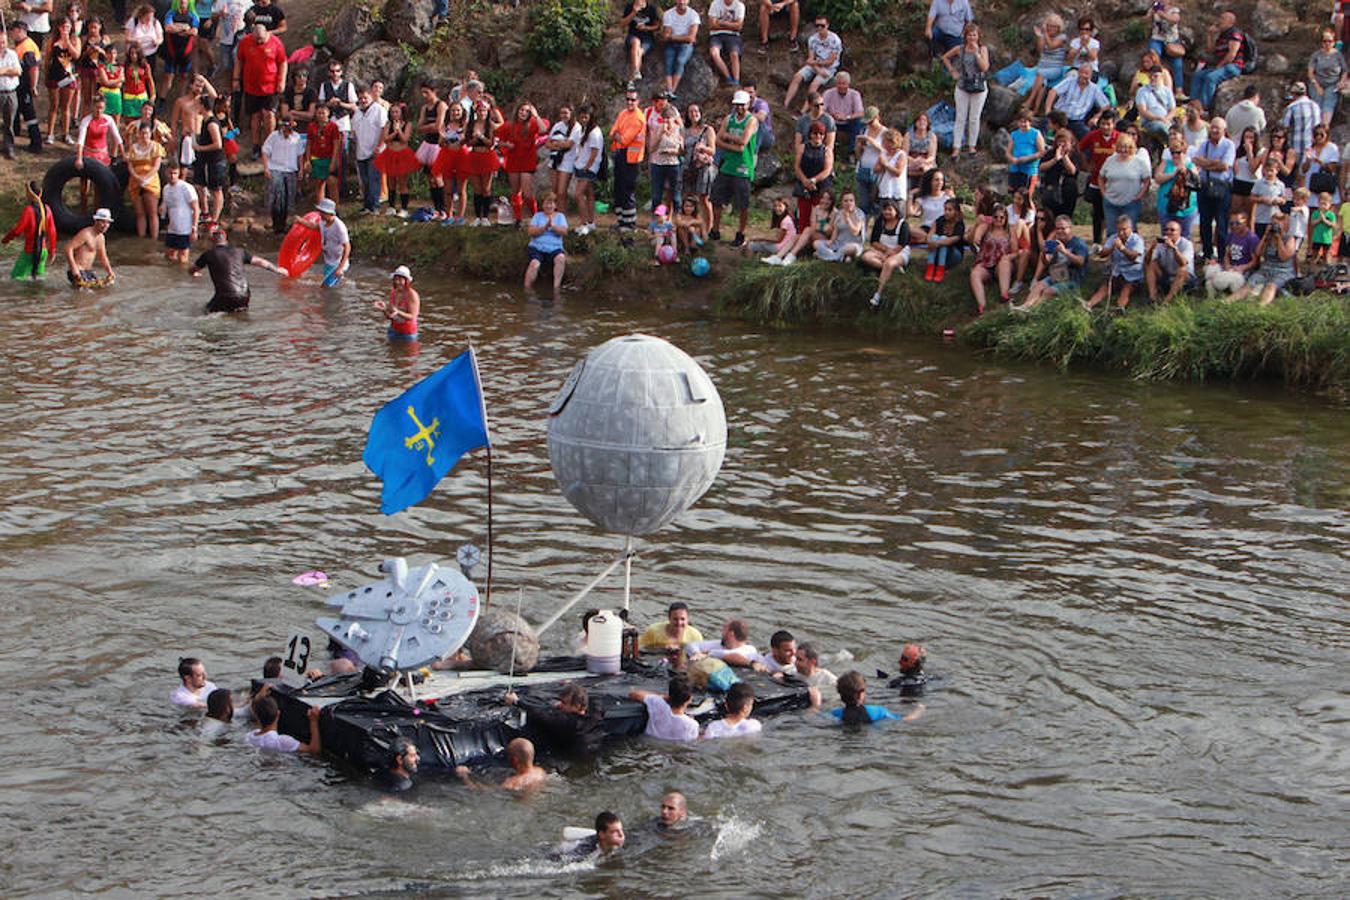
1135 594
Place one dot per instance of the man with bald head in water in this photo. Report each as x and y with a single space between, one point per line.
226 265
526 775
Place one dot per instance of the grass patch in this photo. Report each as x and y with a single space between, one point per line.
1303 341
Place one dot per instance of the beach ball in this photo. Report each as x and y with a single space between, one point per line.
666 254
699 266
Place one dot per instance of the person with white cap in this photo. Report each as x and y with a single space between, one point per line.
402 307
738 139
337 244
88 247
226 267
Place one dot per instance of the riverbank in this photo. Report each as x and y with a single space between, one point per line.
1301 341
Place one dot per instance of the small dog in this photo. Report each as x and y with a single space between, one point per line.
1219 281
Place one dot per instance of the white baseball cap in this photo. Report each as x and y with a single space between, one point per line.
741 97
401 272
103 215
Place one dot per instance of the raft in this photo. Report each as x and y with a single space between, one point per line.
458 717
301 246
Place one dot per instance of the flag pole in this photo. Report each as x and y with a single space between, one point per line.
473 356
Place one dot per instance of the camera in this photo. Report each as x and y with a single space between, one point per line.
1052 246
1159 5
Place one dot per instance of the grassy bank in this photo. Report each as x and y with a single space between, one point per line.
1303 341
598 262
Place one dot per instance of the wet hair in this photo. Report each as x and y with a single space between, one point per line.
739 697
398 749
780 638
605 820
851 686
186 664
520 752
272 668
678 604
856 715
220 705
738 629
266 711
574 695
678 692
809 652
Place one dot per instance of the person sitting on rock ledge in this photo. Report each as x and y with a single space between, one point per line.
1228 62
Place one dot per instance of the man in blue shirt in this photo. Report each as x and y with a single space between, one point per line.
1061 267
946 20
546 231
1078 97
1214 157
1126 251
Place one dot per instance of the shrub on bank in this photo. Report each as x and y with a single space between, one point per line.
559 28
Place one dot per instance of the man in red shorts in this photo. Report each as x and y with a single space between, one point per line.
260 71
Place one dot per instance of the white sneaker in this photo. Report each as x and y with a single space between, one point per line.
1016 288
774 260
875 302
789 259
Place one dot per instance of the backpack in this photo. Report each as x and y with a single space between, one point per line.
1250 56
602 173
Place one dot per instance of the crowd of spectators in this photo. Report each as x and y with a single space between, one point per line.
189 88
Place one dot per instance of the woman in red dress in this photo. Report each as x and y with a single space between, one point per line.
452 165
520 151
397 160
483 161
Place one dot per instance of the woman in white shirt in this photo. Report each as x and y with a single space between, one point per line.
144 30
562 140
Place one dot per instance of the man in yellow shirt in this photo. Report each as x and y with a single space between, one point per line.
673 633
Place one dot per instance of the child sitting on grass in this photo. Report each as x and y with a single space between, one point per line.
784 238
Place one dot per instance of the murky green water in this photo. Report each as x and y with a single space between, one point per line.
1137 594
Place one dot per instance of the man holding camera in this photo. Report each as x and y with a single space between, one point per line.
1171 260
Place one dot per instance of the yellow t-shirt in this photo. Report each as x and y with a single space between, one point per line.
1345 216
655 638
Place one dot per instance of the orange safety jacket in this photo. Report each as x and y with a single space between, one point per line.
630 133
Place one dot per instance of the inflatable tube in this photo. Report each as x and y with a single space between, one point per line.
108 193
301 246
576 833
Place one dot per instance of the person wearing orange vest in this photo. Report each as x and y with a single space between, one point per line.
628 140
30 58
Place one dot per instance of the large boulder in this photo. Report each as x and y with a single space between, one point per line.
410 22
352 28
768 169
1001 105
1276 64
381 60
1271 20
698 83
503 641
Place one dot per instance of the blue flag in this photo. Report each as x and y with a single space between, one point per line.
418 437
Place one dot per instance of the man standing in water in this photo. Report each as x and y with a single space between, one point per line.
226 265
337 245
87 246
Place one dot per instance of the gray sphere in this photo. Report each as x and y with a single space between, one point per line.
497 635
636 435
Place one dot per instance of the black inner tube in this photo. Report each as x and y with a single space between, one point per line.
109 191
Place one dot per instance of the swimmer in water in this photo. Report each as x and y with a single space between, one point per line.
195 687
397 776
87 247
527 777
912 678
736 722
608 838
220 705
403 306
226 265
674 811
267 714
852 689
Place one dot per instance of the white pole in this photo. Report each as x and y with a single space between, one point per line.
515 633
582 593
627 569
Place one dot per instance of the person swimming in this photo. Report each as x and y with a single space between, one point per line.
855 711
912 679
